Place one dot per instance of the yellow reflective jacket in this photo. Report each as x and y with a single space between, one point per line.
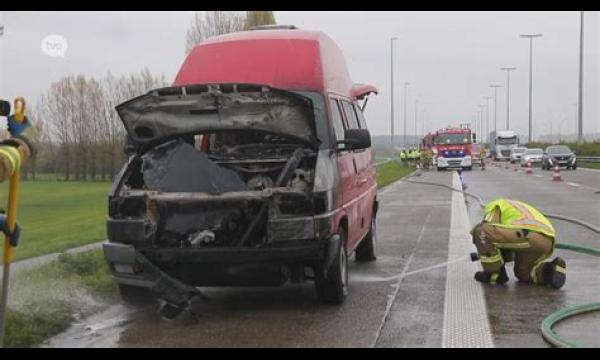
518 215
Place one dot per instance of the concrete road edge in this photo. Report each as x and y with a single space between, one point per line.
466 322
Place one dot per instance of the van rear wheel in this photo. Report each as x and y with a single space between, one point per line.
333 289
367 249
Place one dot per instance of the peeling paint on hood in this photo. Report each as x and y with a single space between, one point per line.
180 110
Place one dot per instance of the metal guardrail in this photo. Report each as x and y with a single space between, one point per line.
592 159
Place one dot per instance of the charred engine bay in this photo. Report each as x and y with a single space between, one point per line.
187 198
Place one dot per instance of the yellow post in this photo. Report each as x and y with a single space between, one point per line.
11 219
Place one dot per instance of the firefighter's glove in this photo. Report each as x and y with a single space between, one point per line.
12 236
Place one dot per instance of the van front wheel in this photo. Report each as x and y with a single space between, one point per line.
333 289
367 249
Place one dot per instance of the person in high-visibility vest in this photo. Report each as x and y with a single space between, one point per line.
403 156
482 156
513 229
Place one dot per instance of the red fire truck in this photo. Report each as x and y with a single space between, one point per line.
451 147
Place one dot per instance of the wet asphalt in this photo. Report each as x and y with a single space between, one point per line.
516 311
413 231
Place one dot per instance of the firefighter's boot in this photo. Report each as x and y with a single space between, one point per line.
495 278
554 273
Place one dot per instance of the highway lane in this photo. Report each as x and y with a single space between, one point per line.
414 228
516 311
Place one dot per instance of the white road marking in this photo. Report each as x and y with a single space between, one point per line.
466 322
588 169
573 184
392 298
538 175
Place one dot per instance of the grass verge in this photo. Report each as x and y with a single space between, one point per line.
44 301
56 216
391 171
589 165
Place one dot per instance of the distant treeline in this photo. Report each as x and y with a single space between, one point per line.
78 134
583 149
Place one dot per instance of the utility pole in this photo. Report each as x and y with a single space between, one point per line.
416 117
405 90
480 112
580 114
530 37
508 70
495 87
392 99
487 116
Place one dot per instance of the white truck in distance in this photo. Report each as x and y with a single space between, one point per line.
501 144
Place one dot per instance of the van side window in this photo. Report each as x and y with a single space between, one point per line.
361 117
336 120
350 115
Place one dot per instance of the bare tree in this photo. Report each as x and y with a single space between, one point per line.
212 23
257 18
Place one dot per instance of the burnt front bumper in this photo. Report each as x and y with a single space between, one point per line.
233 266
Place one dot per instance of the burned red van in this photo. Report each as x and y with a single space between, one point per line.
254 169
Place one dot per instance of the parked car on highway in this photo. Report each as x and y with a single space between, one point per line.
254 169
516 153
559 155
533 156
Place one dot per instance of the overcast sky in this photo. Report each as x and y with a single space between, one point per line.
449 58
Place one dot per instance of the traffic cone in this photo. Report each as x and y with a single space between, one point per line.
556 174
529 169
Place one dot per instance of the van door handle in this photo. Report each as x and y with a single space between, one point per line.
363 180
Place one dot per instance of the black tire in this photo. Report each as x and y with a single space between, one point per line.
136 296
469 168
333 289
367 249
574 167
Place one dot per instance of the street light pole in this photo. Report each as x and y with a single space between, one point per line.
405 90
495 87
481 107
508 70
487 116
530 37
416 117
580 111
392 90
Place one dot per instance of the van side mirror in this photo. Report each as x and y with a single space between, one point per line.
4 108
356 139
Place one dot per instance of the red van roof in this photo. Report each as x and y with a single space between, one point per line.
285 59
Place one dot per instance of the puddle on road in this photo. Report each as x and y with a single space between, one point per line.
100 330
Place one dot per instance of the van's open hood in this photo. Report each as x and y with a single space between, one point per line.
178 110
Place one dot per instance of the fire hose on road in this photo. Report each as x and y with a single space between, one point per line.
551 320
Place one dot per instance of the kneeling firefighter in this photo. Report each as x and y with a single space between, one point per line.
512 230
